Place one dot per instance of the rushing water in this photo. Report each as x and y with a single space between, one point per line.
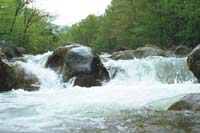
151 82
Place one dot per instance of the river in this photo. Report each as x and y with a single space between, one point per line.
152 82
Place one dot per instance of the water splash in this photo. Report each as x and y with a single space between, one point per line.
36 64
152 70
61 107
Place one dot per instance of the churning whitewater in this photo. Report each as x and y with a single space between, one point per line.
153 82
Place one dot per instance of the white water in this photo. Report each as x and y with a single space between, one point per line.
153 81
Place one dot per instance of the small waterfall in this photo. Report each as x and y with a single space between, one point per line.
150 70
36 64
137 83
157 70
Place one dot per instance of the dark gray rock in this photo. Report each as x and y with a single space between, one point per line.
14 77
78 61
7 76
182 50
120 48
193 62
25 80
8 50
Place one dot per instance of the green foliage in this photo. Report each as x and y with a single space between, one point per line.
84 32
134 23
127 23
26 26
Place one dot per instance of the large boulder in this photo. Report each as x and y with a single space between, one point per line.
141 52
193 62
7 77
8 50
189 102
80 62
15 77
182 50
25 79
12 76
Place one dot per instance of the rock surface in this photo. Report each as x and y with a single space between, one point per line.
7 77
78 61
14 77
9 51
148 121
189 102
120 48
193 62
182 51
141 52
123 55
25 80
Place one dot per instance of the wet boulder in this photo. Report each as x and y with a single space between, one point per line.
182 50
80 62
14 77
25 79
8 50
123 55
189 102
193 62
148 51
141 52
7 77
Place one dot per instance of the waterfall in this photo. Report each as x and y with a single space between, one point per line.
151 69
36 64
134 84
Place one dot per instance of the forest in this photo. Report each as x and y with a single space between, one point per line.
127 23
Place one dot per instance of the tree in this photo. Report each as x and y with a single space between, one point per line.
85 32
24 25
134 23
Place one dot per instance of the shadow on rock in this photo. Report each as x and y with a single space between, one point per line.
78 61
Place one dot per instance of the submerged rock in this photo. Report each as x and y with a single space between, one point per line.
149 121
78 61
193 62
189 102
141 52
182 50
